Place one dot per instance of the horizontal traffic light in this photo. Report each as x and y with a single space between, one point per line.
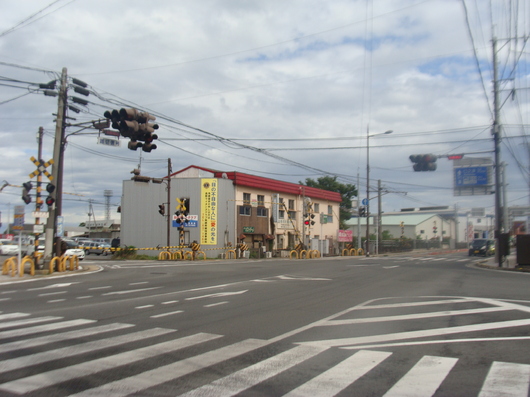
423 162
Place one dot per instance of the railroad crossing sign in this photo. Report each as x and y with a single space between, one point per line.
41 168
181 205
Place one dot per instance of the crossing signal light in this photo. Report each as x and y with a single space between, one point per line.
26 187
50 188
423 162
309 219
162 209
49 201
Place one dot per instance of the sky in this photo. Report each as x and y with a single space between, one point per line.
287 90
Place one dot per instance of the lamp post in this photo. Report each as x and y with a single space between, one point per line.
368 136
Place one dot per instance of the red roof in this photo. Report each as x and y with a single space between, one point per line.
241 179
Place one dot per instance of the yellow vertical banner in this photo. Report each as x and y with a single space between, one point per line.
209 197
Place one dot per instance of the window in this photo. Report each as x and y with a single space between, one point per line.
316 207
261 211
292 215
261 200
245 210
246 198
281 212
291 204
330 214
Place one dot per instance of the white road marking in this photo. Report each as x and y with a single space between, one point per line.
418 334
130 291
98 288
59 337
166 373
254 374
53 377
139 283
506 380
217 295
56 300
216 304
144 306
44 328
169 302
167 314
337 378
70 351
415 316
424 378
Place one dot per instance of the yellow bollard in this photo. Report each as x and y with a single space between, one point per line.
345 252
31 267
293 252
52 264
176 255
360 252
162 256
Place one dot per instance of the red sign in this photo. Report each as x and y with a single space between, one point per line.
345 236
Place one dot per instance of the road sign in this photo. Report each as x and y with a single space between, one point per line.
40 214
365 201
41 168
471 176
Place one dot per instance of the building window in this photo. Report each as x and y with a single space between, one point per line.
281 212
261 211
316 207
292 215
261 200
246 198
245 210
291 204
330 214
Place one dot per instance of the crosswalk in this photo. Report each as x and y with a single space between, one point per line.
80 357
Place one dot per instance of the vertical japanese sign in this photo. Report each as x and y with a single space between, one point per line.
208 221
18 224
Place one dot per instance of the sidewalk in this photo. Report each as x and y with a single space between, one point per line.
39 274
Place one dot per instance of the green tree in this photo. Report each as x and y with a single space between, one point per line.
346 191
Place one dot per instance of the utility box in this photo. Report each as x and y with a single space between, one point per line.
523 249
504 244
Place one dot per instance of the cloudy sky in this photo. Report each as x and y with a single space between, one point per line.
282 89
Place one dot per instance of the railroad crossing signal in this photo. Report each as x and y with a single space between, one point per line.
41 168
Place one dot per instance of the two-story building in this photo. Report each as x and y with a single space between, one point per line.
226 208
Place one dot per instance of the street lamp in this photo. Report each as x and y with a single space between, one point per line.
368 136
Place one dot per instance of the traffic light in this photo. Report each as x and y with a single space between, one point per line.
134 124
423 162
49 201
26 187
162 209
362 211
309 219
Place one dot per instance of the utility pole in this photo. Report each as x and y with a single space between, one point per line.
496 132
169 216
55 210
379 213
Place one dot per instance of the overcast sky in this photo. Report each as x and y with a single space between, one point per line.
282 89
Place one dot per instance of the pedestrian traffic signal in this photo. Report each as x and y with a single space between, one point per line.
162 209
26 187
423 162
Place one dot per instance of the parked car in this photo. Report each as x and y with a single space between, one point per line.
101 249
482 246
73 249
9 248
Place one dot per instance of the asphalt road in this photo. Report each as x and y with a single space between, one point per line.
410 325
